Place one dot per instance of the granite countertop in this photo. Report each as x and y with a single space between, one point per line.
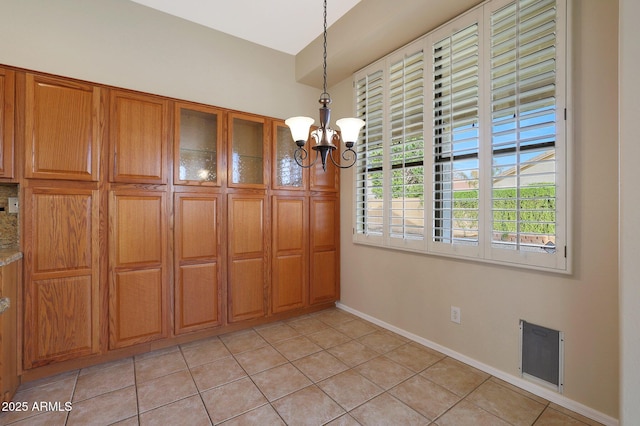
8 255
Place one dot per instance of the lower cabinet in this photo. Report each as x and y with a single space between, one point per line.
197 280
138 284
61 282
247 257
9 281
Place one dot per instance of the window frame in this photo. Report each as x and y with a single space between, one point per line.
484 251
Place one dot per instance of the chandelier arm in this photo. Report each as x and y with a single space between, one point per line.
348 155
301 154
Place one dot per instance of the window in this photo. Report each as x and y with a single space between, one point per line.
464 150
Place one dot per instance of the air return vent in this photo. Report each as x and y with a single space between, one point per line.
542 351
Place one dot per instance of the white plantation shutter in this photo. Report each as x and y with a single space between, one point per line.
488 90
369 166
524 126
456 137
406 118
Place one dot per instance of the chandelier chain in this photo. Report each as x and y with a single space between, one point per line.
324 57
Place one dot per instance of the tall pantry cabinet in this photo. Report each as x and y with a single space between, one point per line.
147 218
63 137
138 219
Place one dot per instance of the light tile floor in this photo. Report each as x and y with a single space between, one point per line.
328 367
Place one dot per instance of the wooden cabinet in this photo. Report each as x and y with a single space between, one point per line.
62 129
7 91
324 256
247 253
147 218
138 287
198 148
290 254
61 292
197 238
9 281
248 156
138 137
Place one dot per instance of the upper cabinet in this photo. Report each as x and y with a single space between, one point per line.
62 129
327 181
248 152
198 145
7 79
287 174
139 137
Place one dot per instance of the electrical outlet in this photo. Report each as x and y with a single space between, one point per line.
455 314
13 205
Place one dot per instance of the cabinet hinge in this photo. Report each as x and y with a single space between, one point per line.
565 114
565 252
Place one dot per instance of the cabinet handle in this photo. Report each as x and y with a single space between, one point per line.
5 302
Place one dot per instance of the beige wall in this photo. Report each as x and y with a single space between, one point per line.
414 292
124 44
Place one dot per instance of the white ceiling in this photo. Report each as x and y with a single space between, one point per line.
284 25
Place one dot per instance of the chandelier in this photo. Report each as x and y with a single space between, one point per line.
324 137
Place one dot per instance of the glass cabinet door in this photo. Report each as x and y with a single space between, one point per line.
246 160
198 136
286 172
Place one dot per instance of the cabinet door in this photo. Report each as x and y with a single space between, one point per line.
327 181
198 145
290 270
248 152
137 267
197 262
62 129
7 79
138 136
9 379
62 298
287 174
325 269
247 257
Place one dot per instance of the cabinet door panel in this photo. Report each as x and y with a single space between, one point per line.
246 289
197 298
63 317
198 303
247 222
137 307
324 221
7 91
62 129
63 232
287 174
139 216
139 137
137 267
198 145
324 287
197 222
62 306
248 159
290 271
288 283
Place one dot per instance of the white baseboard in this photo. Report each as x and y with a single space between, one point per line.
535 389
